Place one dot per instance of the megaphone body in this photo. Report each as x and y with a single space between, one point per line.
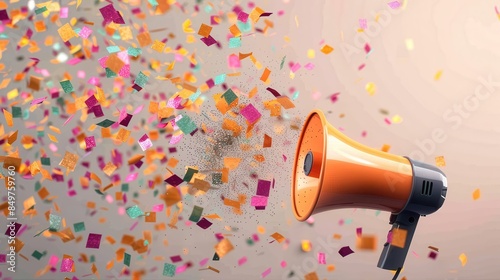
332 171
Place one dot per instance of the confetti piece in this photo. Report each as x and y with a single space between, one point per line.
278 237
438 74
321 258
306 245
399 237
196 214
370 88
204 30
326 49
432 255
463 259
250 113
366 242
345 251
93 241
440 161
134 212
169 270
242 261
394 4
311 276
476 194
66 32
223 247
409 44
266 273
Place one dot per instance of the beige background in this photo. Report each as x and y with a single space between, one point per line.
459 38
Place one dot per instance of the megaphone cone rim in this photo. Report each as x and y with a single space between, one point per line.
322 117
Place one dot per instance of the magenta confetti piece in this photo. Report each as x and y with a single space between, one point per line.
359 231
259 201
250 113
345 251
242 261
93 241
263 187
265 273
321 258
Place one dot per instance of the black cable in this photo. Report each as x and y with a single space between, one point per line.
397 274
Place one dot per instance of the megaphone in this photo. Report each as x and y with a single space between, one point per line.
332 171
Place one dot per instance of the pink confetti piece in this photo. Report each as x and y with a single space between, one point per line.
361 67
234 61
242 261
284 158
122 211
363 134
109 199
63 12
394 4
53 147
367 48
81 74
259 200
138 110
158 208
309 66
53 260
145 142
204 262
265 273
181 269
131 177
133 226
38 100
387 121
321 258
175 139
69 119
85 32
250 113
362 23
295 67
283 264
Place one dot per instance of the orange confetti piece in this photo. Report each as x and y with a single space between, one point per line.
440 161
8 117
223 247
326 49
399 237
265 75
204 30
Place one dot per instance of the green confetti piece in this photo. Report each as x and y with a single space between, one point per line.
41 10
79 226
126 259
109 73
282 62
295 95
98 191
250 241
234 42
134 212
189 174
26 114
155 193
106 123
17 112
186 124
67 86
135 52
141 80
113 49
37 255
217 178
40 133
38 186
54 222
55 111
45 161
124 187
136 195
196 214
169 270
348 221
92 259
229 96
220 79
146 243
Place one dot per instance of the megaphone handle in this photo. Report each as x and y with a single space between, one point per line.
393 256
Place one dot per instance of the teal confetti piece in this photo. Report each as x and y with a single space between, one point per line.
40 133
98 191
57 46
155 193
37 255
348 221
282 62
136 195
45 161
134 51
153 3
134 212
196 214
109 73
141 80
113 49
377 212
146 243
26 114
79 226
195 96
106 123
229 96
295 95
55 111
208 9
169 270
41 10
67 86
92 259
234 42
244 26
54 222
250 241
38 186
186 125
220 79
17 112
126 259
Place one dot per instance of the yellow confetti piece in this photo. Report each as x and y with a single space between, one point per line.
158 46
371 88
78 3
12 94
396 119
186 26
66 32
476 194
409 44
52 138
287 39
109 168
440 161
437 76
463 259
311 53
306 245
